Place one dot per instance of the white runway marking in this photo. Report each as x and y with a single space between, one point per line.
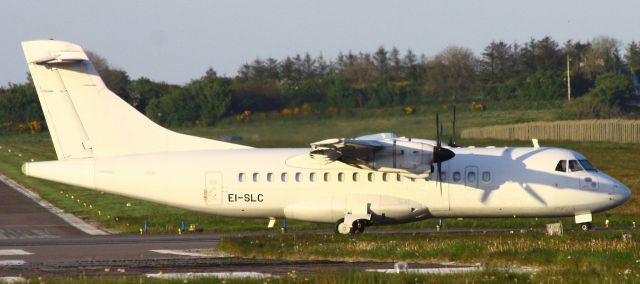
444 270
12 262
14 252
179 252
220 275
13 279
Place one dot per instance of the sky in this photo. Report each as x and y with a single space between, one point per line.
177 41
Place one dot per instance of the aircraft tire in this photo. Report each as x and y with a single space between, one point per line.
585 226
342 228
358 227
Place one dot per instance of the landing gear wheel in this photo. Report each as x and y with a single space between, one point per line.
358 227
585 226
342 228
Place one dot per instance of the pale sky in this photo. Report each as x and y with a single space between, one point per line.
176 41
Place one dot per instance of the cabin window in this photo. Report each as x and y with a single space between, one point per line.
312 177
298 177
561 166
457 176
370 176
284 177
326 176
574 166
471 176
356 177
256 177
340 176
385 177
270 177
241 177
398 177
486 176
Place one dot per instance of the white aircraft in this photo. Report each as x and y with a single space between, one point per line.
104 144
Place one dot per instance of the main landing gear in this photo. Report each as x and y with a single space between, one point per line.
357 227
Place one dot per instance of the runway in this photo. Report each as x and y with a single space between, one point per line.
136 255
36 242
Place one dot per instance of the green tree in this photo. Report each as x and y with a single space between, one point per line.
116 80
602 56
143 90
175 107
498 62
612 88
383 93
20 97
632 58
341 95
212 96
452 74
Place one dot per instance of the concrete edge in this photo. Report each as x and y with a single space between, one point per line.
67 217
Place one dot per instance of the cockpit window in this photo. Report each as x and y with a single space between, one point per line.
588 166
562 166
574 166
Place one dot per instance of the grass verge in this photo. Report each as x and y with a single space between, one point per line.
601 256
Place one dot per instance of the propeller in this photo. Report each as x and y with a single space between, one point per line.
440 154
452 142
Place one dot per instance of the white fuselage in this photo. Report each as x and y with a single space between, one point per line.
287 183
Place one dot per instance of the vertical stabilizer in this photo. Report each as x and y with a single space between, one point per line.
86 119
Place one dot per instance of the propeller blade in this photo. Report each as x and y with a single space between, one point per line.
440 176
438 129
452 142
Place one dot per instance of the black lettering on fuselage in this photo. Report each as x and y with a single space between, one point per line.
247 197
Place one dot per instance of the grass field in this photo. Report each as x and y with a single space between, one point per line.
574 257
599 256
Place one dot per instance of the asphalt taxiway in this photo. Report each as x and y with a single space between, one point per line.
36 241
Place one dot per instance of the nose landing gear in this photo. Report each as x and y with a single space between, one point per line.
585 226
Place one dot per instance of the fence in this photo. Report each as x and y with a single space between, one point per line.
615 130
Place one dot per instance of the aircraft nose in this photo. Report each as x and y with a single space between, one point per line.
622 192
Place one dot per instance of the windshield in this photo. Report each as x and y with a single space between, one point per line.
588 166
574 166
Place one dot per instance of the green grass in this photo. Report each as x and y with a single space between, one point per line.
299 132
601 256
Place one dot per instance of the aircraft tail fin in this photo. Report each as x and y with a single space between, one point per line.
85 119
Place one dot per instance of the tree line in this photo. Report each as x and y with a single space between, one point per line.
602 81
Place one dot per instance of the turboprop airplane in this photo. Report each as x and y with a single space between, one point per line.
104 144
